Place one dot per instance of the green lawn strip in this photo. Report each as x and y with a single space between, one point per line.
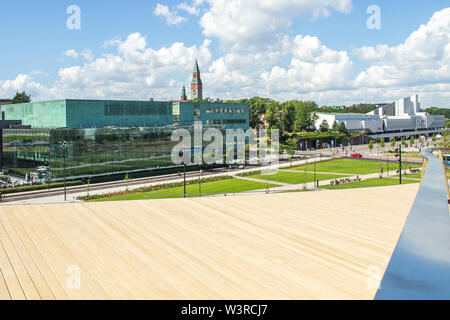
294 177
417 175
221 186
374 182
353 166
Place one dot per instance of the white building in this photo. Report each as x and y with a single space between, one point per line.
402 115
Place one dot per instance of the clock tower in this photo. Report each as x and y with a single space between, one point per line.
196 85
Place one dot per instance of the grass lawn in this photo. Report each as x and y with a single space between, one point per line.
375 182
352 166
221 186
417 175
294 177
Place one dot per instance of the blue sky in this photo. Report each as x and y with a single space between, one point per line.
286 49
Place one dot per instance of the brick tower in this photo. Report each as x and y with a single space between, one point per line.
196 85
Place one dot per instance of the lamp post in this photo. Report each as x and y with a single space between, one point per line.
315 183
181 153
200 183
64 147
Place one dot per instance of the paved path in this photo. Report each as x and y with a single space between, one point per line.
266 181
319 172
311 186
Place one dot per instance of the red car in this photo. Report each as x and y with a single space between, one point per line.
356 155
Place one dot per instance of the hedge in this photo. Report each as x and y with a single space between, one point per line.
150 188
39 187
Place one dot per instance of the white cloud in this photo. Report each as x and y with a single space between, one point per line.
292 67
134 72
255 23
314 67
422 59
171 17
193 10
71 53
87 54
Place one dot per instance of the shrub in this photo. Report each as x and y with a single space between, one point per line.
40 187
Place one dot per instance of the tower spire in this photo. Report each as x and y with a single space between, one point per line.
196 84
183 94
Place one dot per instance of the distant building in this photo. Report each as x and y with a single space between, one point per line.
196 85
399 116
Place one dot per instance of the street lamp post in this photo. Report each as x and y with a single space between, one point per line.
64 147
315 183
181 153
200 183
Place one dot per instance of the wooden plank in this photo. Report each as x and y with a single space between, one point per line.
20 270
46 243
52 281
35 275
315 245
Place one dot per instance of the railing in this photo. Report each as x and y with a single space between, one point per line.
420 264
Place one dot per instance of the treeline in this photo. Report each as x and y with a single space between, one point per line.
434 111
290 116
354 108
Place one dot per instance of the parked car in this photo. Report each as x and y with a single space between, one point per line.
356 155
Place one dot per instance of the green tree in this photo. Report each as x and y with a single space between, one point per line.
393 143
403 141
21 97
273 115
433 137
305 115
411 140
335 126
257 107
371 144
342 128
288 116
382 143
324 126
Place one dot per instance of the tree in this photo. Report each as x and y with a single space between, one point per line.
403 141
305 115
21 97
324 126
288 116
273 115
393 143
342 128
382 144
371 144
257 107
433 137
411 140
335 126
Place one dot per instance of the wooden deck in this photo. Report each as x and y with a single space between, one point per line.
312 245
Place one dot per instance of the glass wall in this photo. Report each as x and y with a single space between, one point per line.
44 155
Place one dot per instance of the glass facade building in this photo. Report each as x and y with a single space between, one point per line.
89 138
48 154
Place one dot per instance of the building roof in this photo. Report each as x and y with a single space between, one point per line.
196 68
280 246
